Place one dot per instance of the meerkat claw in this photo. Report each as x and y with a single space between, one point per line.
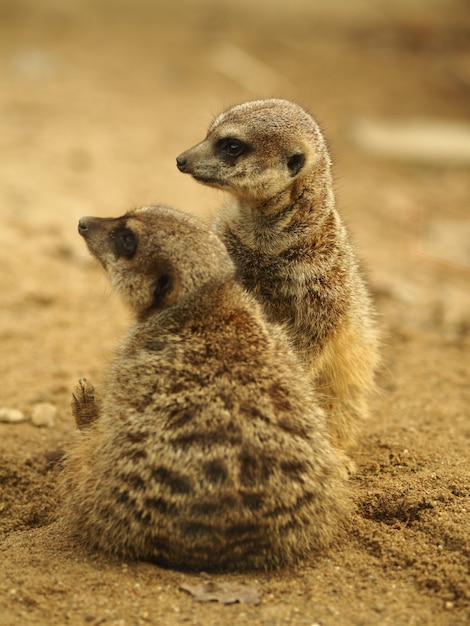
84 407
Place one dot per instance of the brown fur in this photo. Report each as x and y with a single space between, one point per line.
208 449
291 247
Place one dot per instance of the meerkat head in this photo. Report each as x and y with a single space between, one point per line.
156 257
256 149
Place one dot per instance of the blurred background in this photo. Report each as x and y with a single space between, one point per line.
98 97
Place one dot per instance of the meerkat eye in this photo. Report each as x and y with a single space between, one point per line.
125 242
295 164
232 147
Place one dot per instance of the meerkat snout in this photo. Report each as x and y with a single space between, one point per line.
83 226
87 223
181 163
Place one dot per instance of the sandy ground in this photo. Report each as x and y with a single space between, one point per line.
96 100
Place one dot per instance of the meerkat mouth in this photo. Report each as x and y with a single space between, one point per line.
209 181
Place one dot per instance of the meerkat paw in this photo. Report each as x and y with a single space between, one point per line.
84 406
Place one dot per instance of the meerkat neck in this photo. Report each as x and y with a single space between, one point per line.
274 224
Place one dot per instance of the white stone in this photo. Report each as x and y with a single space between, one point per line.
44 414
11 416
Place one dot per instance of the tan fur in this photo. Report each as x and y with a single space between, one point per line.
291 247
207 449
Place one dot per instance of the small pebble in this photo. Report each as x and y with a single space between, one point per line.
44 414
11 416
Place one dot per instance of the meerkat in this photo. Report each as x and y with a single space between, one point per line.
206 448
292 249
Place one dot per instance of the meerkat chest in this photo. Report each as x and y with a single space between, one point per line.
287 270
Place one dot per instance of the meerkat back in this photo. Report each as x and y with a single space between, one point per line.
207 448
291 247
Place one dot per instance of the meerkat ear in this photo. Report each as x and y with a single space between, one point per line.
163 288
295 163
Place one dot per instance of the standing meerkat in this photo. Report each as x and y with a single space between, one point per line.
291 247
207 448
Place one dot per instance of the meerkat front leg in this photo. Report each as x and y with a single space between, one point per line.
84 406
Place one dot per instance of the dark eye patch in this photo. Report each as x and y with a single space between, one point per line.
230 148
124 242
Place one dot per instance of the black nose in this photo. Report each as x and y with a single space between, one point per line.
82 226
181 163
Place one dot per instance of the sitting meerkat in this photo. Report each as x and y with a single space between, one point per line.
291 247
207 448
